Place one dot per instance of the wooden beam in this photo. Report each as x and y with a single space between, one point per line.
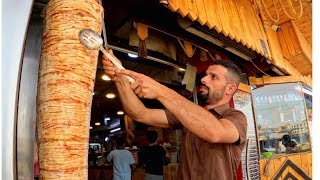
307 80
305 47
244 87
255 81
281 79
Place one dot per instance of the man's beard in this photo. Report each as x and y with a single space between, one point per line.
204 99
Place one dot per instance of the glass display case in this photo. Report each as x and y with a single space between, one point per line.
307 93
281 113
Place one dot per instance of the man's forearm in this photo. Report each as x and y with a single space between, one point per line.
136 109
130 102
195 118
168 155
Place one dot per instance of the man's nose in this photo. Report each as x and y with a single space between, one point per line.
203 80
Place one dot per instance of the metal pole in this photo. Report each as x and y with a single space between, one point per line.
148 57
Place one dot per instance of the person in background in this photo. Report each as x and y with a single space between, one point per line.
153 156
122 160
213 134
289 144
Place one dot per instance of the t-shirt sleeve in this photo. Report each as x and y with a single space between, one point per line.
131 159
174 123
240 121
109 157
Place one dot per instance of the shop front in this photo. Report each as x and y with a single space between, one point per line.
69 112
283 115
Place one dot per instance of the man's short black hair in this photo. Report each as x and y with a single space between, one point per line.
233 70
152 136
120 141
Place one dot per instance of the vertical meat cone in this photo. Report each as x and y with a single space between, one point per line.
66 82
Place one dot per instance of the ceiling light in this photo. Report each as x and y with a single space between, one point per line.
120 112
110 95
132 55
106 139
106 119
97 124
181 69
106 78
91 127
116 129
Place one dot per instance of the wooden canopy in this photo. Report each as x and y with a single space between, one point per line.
235 19
253 23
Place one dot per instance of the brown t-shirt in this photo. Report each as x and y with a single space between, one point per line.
201 160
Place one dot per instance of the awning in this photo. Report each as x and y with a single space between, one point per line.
237 19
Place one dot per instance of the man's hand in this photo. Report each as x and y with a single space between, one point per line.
109 68
168 155
144 86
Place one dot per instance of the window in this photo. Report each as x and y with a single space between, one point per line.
280 117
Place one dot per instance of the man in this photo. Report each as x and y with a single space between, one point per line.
152 157
122 160
213 135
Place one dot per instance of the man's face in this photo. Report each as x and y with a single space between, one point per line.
213 85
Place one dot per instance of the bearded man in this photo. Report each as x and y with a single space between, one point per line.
213 135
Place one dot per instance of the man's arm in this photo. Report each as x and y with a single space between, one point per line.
167 154
132 162
135 108
192 116
109 157
130 102
133 167
198 120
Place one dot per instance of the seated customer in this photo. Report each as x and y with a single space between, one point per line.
122 161
289 144
153 157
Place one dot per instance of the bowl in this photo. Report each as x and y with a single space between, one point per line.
267 154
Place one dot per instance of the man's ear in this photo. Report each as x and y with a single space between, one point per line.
231 89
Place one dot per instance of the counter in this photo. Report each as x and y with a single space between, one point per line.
105 172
